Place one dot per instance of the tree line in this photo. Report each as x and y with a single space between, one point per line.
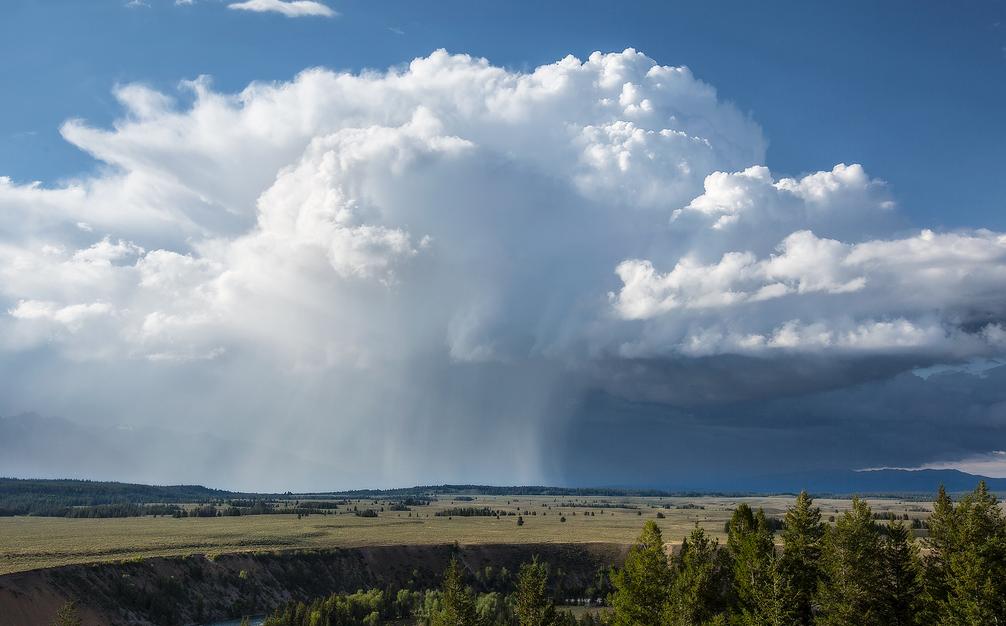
453 604
858 571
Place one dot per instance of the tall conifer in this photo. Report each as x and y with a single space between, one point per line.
976 564
458 602
799 569
700 583
534 606
853 566
903 585
751 546
642 584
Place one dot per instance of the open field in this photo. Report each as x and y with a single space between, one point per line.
36 542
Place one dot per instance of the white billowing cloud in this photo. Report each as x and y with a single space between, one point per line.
926 272
417 256
811 264
753 194
751 207
70 316
289 8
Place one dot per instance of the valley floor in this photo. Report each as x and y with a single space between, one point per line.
28 543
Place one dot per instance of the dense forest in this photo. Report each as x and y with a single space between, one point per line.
858 571
106 499
91 499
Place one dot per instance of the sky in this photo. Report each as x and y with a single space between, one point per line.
318 245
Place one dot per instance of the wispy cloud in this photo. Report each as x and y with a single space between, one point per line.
289 8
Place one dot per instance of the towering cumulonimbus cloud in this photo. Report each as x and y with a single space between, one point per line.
401 273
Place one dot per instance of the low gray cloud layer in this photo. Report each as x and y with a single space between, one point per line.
451 270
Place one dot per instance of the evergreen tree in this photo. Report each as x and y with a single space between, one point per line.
457 606
700 583
798 568
534 607
974 558
67 615
903 581
853 586
751 546
493 609
641 586
942 542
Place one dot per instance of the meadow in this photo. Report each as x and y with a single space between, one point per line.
28 543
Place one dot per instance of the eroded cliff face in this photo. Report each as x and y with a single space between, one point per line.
197 589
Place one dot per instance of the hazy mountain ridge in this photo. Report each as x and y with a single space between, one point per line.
54 448
32 446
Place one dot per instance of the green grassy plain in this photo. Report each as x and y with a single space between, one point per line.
36 542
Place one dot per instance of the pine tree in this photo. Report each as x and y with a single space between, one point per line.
903 581
700 583
641 585
974 557
942 542
534 607
751 546
799 569
458 602
853 585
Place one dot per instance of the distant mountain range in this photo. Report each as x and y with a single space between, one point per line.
36 447
882 481
821 482
920 483
32 446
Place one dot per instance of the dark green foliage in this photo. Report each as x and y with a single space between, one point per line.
413 501
533 605
469 511
457 603
701 583
364 608
642 586
420 608
854 581
207 510
261 507
751 546
799 567
903 584
941 543
967 564
57 497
